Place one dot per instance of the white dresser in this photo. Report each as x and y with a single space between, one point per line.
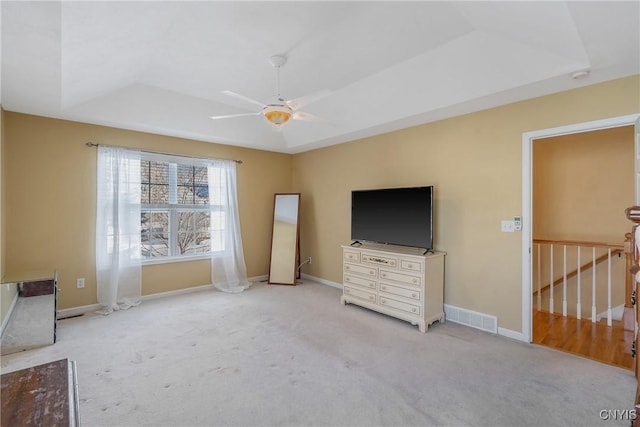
397 281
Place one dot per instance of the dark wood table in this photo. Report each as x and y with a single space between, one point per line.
43 395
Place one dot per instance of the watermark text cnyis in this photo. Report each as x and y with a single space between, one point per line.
617 414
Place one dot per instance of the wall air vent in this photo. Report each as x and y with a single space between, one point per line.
471 318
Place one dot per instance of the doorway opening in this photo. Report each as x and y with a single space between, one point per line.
547 302
582 183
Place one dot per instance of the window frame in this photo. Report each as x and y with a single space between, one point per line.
173 209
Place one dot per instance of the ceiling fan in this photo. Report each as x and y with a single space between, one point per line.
280 111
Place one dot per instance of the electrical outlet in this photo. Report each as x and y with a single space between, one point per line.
517 221
309 260
80 283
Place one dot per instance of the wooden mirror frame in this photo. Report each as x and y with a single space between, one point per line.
284 256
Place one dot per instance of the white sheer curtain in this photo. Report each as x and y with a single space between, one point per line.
228 270
118 262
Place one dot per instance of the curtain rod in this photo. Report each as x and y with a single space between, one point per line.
93 144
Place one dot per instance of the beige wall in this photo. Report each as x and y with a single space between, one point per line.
582 183
50 201
475 163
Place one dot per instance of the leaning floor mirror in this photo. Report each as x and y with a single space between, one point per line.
285 250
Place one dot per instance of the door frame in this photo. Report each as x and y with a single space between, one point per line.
528 139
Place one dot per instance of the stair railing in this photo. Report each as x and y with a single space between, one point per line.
611 249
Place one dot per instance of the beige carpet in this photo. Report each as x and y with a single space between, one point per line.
281 355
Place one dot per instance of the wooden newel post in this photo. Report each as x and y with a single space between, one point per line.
630 297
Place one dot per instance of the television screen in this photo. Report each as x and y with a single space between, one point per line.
395 216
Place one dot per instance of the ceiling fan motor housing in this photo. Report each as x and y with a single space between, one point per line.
278 60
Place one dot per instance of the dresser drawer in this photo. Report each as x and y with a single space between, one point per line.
403 306
379 260
360 281
400 277
360 269
351 256
411 266
403 292
360 293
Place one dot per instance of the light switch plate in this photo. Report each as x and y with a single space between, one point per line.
507 226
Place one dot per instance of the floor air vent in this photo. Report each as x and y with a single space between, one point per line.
474 319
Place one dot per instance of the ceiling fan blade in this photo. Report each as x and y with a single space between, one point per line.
243 98
306 117
300 102
230 116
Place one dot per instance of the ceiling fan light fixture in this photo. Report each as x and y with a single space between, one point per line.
277 114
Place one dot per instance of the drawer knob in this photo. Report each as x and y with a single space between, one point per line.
383 301
384 288
371 272
372 285
410 265
413 309
383 275
347 279
413 295
347 267
415 280
371 297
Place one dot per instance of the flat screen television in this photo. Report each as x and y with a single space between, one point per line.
395 216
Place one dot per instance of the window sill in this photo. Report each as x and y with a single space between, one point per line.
154 261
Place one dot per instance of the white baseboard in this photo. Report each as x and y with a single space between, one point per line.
177 292
258 279
474 319
453 314
508 333
322 281
78 311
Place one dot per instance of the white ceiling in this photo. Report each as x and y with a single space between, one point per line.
161 66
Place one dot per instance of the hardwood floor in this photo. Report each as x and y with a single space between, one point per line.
597 341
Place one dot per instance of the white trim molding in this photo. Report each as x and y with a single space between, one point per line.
322 281
527 164
79 311
514 335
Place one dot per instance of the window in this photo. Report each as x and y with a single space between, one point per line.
177 219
